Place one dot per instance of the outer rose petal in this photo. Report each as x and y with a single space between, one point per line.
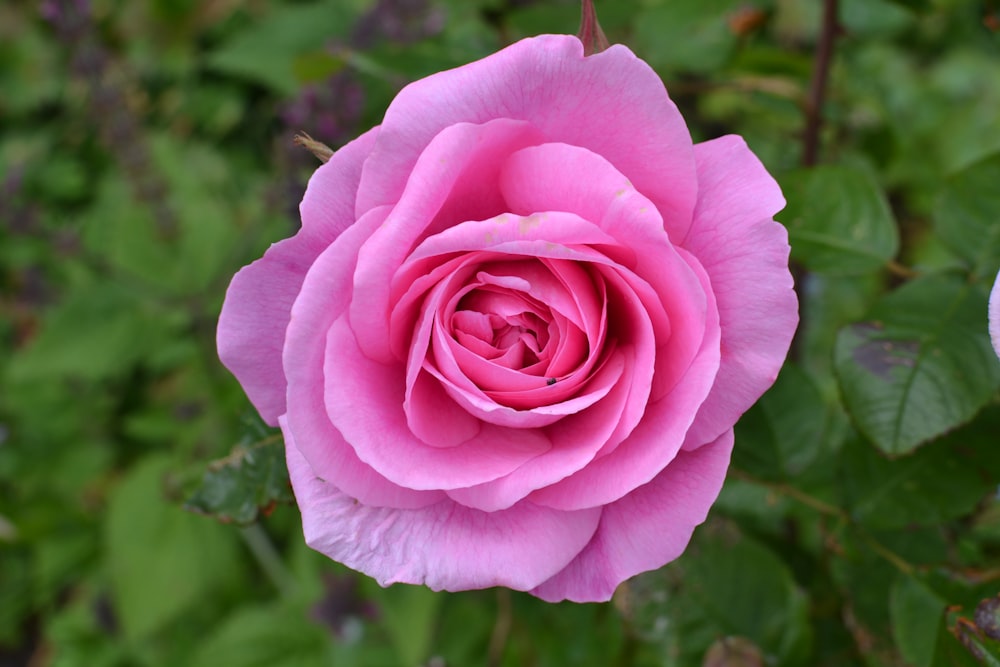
444 546
745 254
547 81
995 315
647 528
322 298
258 304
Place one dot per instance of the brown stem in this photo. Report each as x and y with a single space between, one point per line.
817 87
904 272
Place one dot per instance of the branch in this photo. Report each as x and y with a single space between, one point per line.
817 87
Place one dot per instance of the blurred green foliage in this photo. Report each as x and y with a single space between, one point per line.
145 155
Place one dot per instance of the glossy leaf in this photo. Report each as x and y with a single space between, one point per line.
967 215
920 363
726 583
935 484
838 220
784 432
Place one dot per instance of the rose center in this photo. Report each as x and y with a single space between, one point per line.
513 335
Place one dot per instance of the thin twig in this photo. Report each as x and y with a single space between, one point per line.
817 87
268 558
824 507
790 491
891 556
501 629
904 272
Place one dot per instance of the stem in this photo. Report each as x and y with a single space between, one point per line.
501 629
793 493
894 559
260 545
826 508
897 269
817 87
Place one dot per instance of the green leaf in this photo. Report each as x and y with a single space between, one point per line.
236 488
266 52
864 578
967 215
916 613
96 333
784 432
203 196
919 365
838 220
916 5
966 644
161 560
15 592
951 653
265 637
729 583
933 485
317 66
688 35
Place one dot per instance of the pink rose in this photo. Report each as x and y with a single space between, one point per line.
509 344
994 315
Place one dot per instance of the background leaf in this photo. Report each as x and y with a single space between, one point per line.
919 365
917 614
838 220
161 559
967 215
784 432
932 485
276 636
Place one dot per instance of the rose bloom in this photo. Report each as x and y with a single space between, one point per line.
510 341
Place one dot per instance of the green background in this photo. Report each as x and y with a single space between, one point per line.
145 155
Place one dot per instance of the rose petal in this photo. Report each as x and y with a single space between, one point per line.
547 81
994 315
745 254
364 401
569 178
453 180
258 303
323 296
647 528
576 440
652 445
444 546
